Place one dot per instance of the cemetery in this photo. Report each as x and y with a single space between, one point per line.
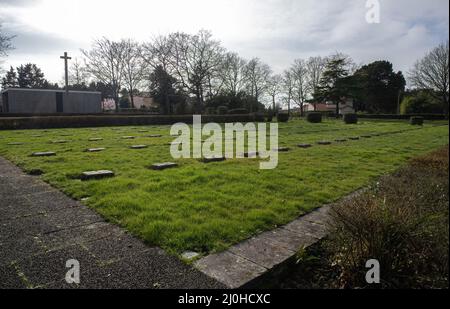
266 158
189 206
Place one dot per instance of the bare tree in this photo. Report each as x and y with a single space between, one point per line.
232 73
5 44
315 67
157 52
274 89
301 83
288 87
157 55
133 66
78 75
195 59
257 75
431 72
105 62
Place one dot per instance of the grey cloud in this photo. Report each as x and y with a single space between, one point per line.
27 42
18 3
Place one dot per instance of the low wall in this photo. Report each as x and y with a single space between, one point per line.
403 117
47 122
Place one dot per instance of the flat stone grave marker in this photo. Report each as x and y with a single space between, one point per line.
190 255
163 166
36 135
366 136
154 135
95 139
304 146
128 137
341 140
43 154
138 146
324 143
95 149
354 138
96 174
59 142
15 144
282 149
251 154
213 159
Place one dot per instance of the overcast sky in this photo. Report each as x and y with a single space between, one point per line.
277 31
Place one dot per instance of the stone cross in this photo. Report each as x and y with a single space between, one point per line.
66 68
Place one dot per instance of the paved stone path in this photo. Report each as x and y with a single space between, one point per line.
41 228
250 263
244 264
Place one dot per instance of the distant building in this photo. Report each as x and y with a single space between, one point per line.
144 102
40 101
345 107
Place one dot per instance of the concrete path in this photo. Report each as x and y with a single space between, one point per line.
249 263
41 228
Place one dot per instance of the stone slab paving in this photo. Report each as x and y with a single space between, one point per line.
41 228
246 262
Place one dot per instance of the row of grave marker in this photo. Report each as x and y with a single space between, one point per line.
162 166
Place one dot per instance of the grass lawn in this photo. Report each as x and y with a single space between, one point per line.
208 207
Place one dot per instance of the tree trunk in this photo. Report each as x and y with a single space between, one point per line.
168 109
131 98
289 105
337 110
446 106
116 102
273 103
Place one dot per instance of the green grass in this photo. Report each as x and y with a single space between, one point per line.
208 207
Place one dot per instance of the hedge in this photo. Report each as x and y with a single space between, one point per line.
314 117
351 118
282 117
222 110
416 121
403 117
238 111
11 123
259 117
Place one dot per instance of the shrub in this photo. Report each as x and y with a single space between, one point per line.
314 117
416 121
351 119
222 110
238 111
282 117
259 117
210 111
421 102
402 222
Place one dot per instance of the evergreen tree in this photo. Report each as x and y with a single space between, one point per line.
30 76
10 79
334 84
